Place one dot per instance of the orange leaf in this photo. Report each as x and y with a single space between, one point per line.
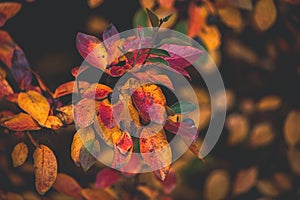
96 91
95 194
45 168
67 185
21 122
167 4
265 14
197 16
217 185
123 147
94 3
69 88
92 50
34 104
65 114
7 46
5 88
150 103
245 180
79 139
19 154
84 112
53 122
156 151
8 10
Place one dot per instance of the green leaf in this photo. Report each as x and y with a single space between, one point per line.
129 55
167 18
158 60
153 18
183 107
182 26
159 52
170 112
140 18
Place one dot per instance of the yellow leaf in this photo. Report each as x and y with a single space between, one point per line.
211 36
21 122
267 188
269 103
35 105
80 137
45 168
19 154
265 14
156 151
217 185
95 194
262 134
53 122
231 17
238 127
292 129
245 180
65 114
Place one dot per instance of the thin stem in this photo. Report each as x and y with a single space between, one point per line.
32 140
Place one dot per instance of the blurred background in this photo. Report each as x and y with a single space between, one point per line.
257 156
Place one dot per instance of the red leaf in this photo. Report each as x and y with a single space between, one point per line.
156 151
150 103
67 185
106 177
5 88
69 87
169 183
7 47
133 167
91 49
181 56
122 150
96 91
78 70
188 132
116 71
8 10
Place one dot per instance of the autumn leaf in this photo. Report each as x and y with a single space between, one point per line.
70 87
21 122
84 113
156 151
268 103
8 10
123 147
265 14
243 4
262 134
245 180
110 36
197 16
167 4
53 122
231 17
96 91
94 3
169 183
106 177
238 127
19 154
217 185
92 50
35 105
211 37
42 84
5 88
291 128
65 114
88 154
76 71
95 194
20 69
67 185
150 103
7 47
45 168
81 137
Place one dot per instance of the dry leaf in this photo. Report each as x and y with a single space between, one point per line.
70 87
292 128
8 10
267 188
282 181
19 154
156 151
244 4
106 177
211 37
94 3
96 91
245 180
67 185
21 122
95 194
231 17
167 4
217 185
238 127
197 17
7 47
35 105
53 122
84 112
262 134
293 156
65 114
80 137
265 14
269 103
45 168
